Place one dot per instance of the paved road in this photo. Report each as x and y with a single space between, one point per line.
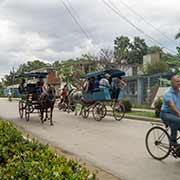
117 147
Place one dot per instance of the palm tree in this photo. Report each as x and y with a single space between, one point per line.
177 35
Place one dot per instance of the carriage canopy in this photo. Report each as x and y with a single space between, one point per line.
112 72
33 75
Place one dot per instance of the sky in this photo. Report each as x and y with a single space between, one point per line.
44 29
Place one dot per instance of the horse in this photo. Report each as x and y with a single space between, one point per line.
47 101
75 97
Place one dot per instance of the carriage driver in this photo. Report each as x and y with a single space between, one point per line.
22 86
170 110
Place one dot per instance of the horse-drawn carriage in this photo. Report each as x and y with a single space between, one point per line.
33 100
100 100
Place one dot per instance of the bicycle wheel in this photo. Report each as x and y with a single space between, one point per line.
118 111
21 109
158 143
104 110
62 106
27 112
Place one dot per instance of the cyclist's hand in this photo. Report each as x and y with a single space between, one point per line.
178 114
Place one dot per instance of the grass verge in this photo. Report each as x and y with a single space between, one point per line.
142 113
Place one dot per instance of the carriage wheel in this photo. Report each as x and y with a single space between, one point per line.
158 143
85 112
99 111
118 111
41 117
27 113
21 109
104 110
62 106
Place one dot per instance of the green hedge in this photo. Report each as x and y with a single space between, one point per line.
127 104
21 159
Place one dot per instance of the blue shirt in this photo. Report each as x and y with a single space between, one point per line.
96 84
170 95
116 84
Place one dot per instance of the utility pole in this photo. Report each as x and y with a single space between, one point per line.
13 81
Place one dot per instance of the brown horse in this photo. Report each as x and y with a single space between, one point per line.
47 101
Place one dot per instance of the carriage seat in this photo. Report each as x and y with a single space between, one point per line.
96 90
99 95
33 89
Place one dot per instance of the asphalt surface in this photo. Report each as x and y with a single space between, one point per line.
117 147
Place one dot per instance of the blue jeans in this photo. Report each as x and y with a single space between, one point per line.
173 122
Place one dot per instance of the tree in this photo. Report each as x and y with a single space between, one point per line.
157 67
133 51
177 35
178 50
133 57
171 60
121 48
106 58
31 65
71 70
154 49
26 67
1 89
138 50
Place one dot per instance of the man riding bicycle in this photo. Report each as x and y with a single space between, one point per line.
170 110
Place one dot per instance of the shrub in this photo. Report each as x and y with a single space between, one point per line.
25 160
127 104
157 105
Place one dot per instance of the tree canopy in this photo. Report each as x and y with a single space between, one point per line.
125 49
131 51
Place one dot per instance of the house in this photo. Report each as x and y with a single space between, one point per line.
142 89
13 89
151 59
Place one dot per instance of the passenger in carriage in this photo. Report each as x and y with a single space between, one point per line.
104 82
110 80
22 86
97 82
64 94
91 84
45 89
118 87
40 85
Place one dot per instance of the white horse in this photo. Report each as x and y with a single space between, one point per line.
75 97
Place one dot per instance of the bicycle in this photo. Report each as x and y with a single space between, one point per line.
158 142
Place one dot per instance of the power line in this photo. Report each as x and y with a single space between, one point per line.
77 21
78 18
147 22
117 11
89 38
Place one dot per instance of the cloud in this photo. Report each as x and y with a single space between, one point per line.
44 29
